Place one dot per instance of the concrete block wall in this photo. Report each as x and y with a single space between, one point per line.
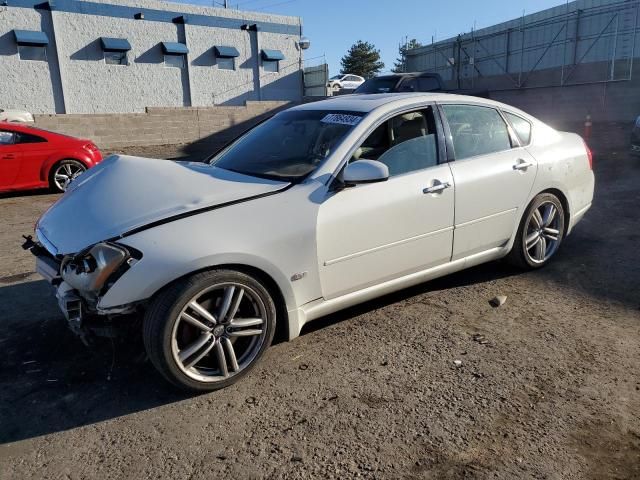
617 101
162 125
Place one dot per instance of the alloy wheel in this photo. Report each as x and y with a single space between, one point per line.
544 232
219 332
65 173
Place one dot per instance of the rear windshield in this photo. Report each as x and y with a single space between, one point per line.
377 85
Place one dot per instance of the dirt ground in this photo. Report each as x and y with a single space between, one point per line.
548 387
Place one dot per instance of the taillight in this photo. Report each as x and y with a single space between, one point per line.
589 155
91 147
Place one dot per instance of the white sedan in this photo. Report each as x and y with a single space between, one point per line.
15 116
323 206
345 82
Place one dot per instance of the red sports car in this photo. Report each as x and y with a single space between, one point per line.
34 158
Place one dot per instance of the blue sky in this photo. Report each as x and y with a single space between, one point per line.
333 26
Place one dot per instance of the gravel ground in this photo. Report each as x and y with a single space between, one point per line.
548 385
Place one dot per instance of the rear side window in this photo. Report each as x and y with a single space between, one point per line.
28 138
476 130
521 126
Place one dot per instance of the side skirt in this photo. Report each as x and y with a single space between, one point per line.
320 308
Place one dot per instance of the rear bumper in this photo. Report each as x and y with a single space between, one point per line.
576 217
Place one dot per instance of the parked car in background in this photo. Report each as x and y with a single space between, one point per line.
15 116
412 82
34 158
635 137
321 207
345 82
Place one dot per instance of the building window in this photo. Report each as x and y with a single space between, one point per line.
33 52
116 58
271 60
174 61
115 50
271 65
32 44
226 57
226 63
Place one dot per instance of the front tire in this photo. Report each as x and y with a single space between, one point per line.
207 331
540 233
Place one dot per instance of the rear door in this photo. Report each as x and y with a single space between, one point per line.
10 158
493 177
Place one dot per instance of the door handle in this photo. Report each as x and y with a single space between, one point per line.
8 156
522 165
437 187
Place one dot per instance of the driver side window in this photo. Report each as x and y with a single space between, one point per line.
404 143
6 138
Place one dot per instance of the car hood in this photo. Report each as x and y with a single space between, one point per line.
124 193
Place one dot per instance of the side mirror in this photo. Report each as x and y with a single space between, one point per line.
365 171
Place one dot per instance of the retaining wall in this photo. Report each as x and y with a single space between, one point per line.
162 125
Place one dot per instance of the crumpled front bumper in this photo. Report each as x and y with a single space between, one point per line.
69 302
81 313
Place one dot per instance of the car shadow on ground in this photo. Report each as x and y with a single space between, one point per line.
52 382
26 193
479 274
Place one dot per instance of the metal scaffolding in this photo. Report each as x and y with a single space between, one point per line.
581 42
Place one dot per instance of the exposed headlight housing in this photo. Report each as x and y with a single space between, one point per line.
89 270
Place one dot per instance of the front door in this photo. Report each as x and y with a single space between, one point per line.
371 233
493 177
10 159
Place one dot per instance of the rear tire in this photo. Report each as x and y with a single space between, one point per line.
63 173
540 233
207 331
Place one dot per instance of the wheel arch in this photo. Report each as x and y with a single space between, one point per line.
565 205
282 327
54 160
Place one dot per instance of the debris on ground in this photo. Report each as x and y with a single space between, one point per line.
498 301
478 337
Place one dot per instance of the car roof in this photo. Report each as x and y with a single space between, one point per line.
16 126
367 102
25 128
405 75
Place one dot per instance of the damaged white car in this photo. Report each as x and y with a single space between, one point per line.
323 206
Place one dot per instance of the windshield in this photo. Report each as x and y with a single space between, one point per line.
336 77
377 85
288 146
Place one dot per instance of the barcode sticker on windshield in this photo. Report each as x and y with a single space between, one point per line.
342 119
